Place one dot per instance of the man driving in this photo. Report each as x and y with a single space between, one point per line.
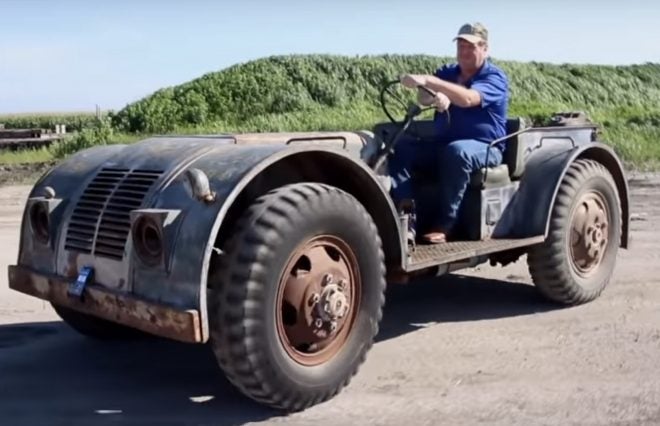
474 91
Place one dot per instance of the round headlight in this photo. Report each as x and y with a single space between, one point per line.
39 222
148 240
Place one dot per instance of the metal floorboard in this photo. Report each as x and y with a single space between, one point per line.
435 254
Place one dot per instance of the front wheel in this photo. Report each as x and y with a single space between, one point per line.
296 303
575 263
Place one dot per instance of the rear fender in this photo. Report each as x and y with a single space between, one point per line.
528 213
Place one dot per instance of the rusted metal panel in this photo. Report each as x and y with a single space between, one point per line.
158 319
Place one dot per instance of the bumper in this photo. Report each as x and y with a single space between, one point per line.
122 308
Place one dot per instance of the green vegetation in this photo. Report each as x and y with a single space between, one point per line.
74 121
320 92
38 155
97 132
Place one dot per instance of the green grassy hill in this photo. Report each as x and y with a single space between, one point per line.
320 92
331 92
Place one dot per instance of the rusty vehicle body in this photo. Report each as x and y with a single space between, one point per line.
152 180
140 237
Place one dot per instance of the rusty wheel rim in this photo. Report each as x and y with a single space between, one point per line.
318 299
589 233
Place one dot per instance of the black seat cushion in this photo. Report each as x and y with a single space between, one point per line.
495 176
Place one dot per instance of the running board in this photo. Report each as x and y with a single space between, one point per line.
428 255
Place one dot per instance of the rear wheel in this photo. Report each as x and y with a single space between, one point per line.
575 263
297 301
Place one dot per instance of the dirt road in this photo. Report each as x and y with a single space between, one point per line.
457 350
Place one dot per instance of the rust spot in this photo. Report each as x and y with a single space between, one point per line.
123 308
71 267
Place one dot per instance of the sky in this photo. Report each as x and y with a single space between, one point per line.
71 55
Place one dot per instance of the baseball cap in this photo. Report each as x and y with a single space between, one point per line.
474 33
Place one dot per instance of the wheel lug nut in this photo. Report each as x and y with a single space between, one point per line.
333 326
314 298
318 323
327 279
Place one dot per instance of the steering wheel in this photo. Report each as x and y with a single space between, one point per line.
412 109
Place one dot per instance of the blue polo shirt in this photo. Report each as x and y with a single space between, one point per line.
485 122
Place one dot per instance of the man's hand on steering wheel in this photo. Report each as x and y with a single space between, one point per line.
440 101
425 96
412 81
432 100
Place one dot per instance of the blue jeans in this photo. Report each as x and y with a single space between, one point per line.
450 166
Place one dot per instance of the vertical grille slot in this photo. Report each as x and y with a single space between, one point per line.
100 222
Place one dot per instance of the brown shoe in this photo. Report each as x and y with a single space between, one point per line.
436 237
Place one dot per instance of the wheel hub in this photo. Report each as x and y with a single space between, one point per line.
589 233
332 304
319 291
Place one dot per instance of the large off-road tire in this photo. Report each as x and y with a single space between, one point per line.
297 300
575 263
94 327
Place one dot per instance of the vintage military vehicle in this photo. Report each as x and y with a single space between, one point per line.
276 248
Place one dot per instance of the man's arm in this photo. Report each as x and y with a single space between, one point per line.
458 95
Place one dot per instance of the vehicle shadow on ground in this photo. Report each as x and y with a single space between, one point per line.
454 298
51 375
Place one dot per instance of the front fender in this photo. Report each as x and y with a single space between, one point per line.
232 173
528 213
190 226
325 165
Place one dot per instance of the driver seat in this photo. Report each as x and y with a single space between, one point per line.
513 161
